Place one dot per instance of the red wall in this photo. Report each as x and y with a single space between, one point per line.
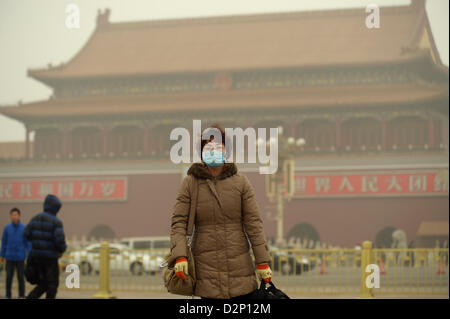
151 197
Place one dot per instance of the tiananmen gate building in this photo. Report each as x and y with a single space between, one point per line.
371 104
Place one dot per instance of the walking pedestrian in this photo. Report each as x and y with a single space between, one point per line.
46 234
15 249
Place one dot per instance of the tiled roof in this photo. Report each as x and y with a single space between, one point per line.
257 41
362 96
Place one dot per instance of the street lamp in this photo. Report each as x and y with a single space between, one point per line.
280 185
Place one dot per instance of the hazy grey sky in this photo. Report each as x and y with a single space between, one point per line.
33 33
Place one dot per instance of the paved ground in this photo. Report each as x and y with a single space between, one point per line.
344 280
83 294
127 286
150 295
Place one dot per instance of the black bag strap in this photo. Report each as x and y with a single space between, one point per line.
191 220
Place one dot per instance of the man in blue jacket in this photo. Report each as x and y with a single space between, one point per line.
15 249
46 234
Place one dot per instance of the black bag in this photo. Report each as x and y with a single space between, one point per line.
270 292
31 272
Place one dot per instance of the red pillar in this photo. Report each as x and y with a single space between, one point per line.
430 132
105 142
338 134
383 135
444 133
36 145
151 142
145 140
160 148
292 129
27 143
119 149
65 143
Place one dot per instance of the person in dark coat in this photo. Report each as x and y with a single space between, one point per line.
15 249
46 234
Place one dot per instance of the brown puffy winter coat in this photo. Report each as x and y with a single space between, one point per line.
227 213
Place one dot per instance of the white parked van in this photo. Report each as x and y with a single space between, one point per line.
147 243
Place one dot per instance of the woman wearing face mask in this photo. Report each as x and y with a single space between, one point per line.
227 219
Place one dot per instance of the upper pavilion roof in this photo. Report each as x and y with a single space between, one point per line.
312 39
256 41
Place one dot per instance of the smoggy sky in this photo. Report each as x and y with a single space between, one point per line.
33 33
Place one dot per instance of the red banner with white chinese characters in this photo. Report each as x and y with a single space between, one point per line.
67 189
370 184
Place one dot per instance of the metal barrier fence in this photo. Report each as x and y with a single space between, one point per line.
415 271
343 271
130 270
412 271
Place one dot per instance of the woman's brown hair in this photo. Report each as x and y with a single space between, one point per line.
210 132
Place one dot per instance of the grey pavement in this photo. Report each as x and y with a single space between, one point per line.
162 295
88 294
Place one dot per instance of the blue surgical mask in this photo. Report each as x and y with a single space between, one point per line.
213 158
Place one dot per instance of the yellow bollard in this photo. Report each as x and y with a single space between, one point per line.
104 291
366 259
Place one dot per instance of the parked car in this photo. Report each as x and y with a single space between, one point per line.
288 263
122 259
157 246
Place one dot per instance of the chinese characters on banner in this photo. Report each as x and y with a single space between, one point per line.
68 189
370 184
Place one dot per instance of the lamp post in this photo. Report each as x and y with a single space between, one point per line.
280 185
